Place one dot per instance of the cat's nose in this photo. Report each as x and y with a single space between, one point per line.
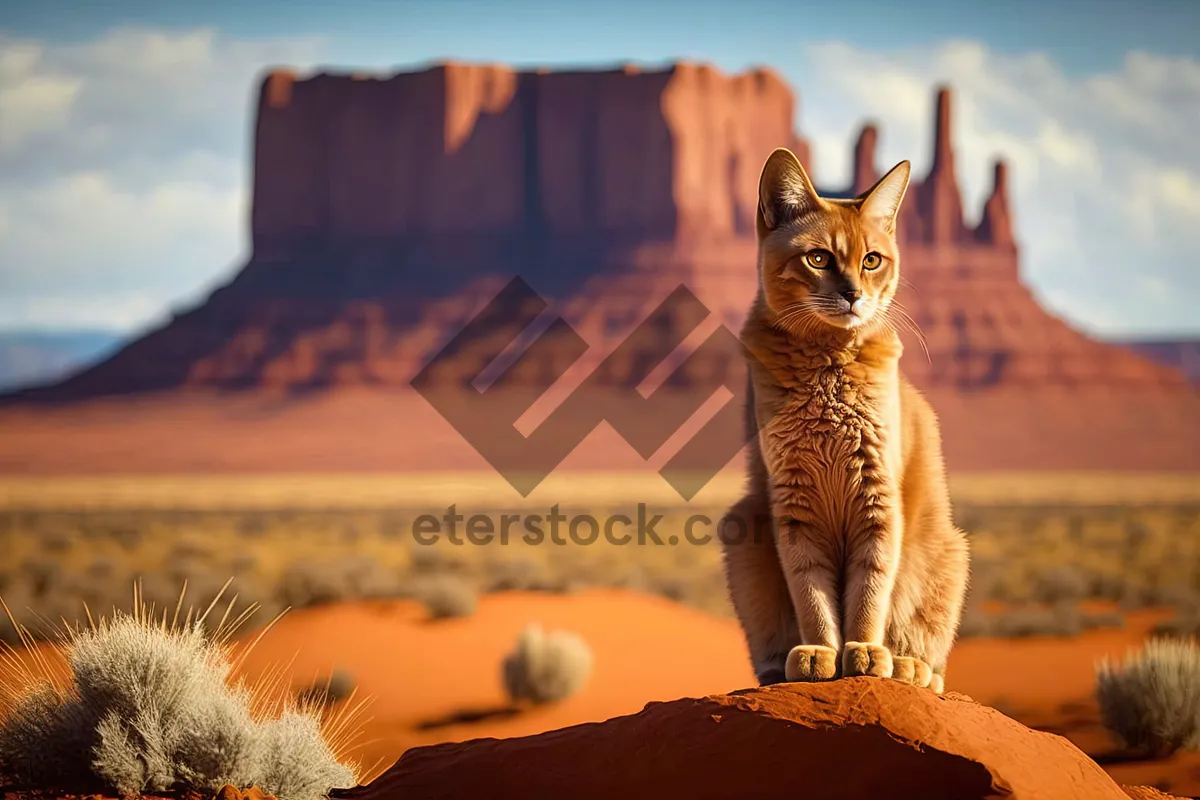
851 295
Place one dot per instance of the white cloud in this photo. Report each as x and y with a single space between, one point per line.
86 230
112 310
1105 170
125 163
30 103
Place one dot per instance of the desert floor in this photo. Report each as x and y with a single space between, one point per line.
438 681
1067 568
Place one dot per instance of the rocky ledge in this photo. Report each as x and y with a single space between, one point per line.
853 738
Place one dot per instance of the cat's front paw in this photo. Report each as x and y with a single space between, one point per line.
912 670
860 658
811 662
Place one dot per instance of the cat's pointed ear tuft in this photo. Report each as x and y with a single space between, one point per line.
882 201
784 191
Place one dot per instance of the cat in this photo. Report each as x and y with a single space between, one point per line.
858 569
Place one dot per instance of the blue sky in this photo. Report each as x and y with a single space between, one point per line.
124 125
1084 35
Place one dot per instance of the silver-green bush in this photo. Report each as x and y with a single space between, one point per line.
1151 700
295 760
546 666
149 707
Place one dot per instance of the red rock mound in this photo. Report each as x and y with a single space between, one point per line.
855 738
1146 793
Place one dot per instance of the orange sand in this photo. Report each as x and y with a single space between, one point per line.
646 648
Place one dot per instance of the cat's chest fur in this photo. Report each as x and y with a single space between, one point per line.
829 431
827 418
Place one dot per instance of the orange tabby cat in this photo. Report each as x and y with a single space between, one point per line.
858 569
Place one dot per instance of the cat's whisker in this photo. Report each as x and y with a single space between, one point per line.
903 319
902 311
782 319
801 326
803 323
826 303
793 311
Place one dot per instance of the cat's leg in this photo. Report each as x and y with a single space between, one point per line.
927 608
872 561
907 641
945 594
757 587
811 575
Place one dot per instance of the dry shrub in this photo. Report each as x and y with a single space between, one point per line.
1108 586
43 574
1102 620
1151 701
307 583
296 761
673 588
1151 595
976 623
546 666
1012 586
354 577
1184 625
188 550
426 559
1062 620
521 575
1060 585
57 540
146 705
447 596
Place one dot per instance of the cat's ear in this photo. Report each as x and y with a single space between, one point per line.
784 191
882 201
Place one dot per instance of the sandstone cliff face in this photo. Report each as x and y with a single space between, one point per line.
388 211
461 150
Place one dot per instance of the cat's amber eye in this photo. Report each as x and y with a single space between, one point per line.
872 261
818 259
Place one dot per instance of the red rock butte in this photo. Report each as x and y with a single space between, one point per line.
388 210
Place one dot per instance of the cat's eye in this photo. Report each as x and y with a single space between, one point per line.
872 261
818 259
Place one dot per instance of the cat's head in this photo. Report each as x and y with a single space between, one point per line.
826 261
